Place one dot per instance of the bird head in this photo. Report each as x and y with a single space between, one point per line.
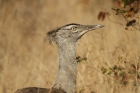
70 32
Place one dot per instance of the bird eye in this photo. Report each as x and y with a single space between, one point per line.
74 28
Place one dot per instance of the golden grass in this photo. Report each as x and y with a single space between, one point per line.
26 60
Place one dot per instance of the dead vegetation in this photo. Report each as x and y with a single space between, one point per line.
27 61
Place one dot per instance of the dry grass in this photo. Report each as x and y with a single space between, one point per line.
26 60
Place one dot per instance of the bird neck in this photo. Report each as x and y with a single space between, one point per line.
66 78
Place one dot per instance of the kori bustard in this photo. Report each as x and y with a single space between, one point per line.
66 38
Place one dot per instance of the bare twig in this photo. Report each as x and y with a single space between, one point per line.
114 21
128 21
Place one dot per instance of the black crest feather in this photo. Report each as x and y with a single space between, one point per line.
51 35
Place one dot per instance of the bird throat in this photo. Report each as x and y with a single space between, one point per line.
66 78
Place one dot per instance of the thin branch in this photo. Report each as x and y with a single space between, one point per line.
125 18
131 25
114 21
98 71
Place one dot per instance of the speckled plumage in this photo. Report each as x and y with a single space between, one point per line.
66 38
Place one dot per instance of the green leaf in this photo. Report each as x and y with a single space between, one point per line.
125 2
85 59
110 68
122 11
104 70
82 90
115 67
120 69
109 73
121 73
125 83
114 8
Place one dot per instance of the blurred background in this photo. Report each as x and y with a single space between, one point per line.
27 60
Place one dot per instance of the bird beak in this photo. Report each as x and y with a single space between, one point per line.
93 27
89 28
